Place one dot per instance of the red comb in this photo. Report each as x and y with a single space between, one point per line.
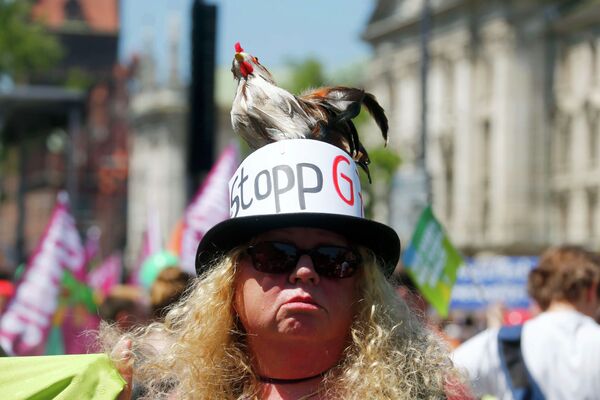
238 48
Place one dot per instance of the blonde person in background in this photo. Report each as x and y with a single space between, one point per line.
168 288
292 299
558 351
126 306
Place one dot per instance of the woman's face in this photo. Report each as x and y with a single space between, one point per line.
300 304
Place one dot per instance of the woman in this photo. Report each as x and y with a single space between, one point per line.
292 300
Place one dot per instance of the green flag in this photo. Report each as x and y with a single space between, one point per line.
432 261
77 292
55 344
82 377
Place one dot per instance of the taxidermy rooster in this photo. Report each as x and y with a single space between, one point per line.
263 113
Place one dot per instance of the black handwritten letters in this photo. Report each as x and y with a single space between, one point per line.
303 178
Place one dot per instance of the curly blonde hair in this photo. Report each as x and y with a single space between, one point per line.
392 355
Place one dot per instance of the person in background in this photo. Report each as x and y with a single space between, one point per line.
554 355
292 300
409 292
167 289
126 306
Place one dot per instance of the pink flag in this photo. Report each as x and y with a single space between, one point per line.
92 243
106 275
151 244
25 324
76 325
209 206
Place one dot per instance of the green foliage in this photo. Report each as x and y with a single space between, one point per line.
384 164
352 74
79 79
305 74
25 46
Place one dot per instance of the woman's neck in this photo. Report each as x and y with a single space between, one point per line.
293 358
294 368
306 390
561 306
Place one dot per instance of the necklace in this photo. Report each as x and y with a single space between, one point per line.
278 381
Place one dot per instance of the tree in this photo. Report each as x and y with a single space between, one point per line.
304 75
25 46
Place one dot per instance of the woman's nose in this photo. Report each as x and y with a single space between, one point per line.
305 271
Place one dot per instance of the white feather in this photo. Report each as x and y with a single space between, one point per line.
269 106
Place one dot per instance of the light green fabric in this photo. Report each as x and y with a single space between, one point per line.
69 377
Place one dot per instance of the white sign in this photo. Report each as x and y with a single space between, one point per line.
296 175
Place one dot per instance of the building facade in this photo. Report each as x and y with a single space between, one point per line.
67 128
513 142
157 191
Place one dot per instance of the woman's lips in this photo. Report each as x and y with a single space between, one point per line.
301 302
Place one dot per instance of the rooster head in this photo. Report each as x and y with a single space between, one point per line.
246 66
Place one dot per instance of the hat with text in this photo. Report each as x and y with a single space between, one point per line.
297 183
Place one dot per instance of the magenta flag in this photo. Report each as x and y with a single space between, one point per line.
25 325
151 244
209 206
106 275
92 243
75 325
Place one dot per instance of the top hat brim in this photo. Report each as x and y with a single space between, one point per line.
228 234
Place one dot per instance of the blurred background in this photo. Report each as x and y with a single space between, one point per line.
494 113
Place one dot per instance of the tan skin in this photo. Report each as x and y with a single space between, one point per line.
587 303
297 323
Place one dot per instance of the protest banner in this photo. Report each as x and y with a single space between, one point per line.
151 244
432 261
25 325
76 313
106 275
209 207
489 280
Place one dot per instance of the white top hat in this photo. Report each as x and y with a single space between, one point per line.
297 183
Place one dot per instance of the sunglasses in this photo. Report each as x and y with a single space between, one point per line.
330 261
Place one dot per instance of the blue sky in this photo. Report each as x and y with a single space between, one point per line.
273 30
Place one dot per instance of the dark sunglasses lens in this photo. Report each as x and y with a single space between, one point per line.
335 262
273 257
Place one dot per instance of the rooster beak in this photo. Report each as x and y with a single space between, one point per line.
239 57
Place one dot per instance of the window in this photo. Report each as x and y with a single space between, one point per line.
562 204
485 161
563 142
73 10
592 217
592 115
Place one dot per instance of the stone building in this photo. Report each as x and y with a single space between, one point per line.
513 141
160 186
157 190
67 129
